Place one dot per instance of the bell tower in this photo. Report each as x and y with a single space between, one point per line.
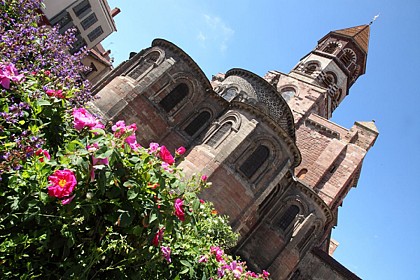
330 70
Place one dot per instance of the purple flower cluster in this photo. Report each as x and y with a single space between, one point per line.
34 58
32 47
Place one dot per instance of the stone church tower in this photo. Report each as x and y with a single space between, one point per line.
278 166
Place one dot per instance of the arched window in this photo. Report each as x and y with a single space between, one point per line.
330 79
310 68
220 134
288 217
145 65
348 57
331 47
196 124
255 161
174 97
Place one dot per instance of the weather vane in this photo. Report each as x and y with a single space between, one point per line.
374 18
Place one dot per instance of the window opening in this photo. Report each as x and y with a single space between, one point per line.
288 93
220 134
310 69
89 21
302 173
197 123
174 97
82 9
331 47
255 161
288 217
95 33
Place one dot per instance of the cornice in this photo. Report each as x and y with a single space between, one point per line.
185 57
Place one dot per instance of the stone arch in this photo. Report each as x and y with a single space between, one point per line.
277 217
331 47
220 130
330 78
163 97
311 66
348 57
146 63
197 122
275 154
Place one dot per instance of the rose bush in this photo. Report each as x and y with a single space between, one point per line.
79 200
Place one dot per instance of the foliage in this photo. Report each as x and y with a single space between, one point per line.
83 201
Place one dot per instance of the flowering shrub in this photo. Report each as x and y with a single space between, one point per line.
81 200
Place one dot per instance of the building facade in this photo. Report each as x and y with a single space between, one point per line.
92 19
279 168
93 22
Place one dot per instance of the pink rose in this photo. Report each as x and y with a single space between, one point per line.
202 201
132 141
217 252
265 273
41 154
166 252
179 209
62 183
203 259
9 73
165 155
67 200
180 151
119 128
204 178
83 118
166 167
158 237
153 147
236 269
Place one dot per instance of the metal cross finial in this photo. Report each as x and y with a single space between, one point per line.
374 18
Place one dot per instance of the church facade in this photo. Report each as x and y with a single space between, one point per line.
279 168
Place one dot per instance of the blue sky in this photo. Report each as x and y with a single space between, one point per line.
378 225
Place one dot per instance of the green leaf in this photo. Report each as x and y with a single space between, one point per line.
185 263
98 131
153 217
43 197
43 102
185 270
132 194
105 154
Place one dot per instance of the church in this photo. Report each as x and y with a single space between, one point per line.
279 167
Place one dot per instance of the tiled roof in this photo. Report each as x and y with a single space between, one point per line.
359 33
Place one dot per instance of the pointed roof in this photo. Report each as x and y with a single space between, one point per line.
360 35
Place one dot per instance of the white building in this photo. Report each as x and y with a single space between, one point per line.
93 19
